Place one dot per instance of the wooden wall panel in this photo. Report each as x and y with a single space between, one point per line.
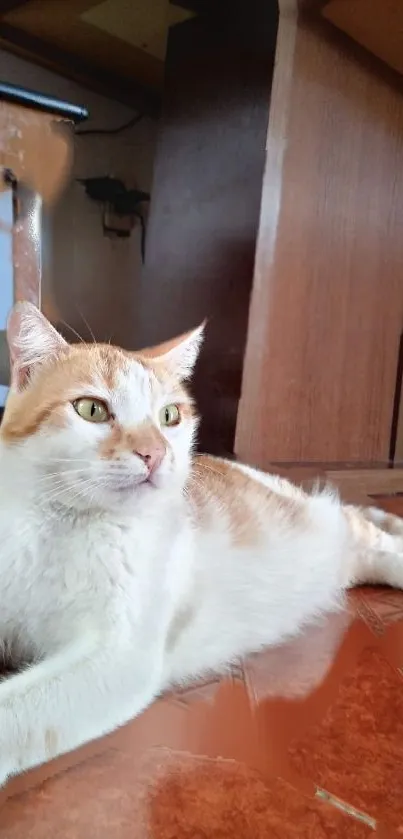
326 311
375 24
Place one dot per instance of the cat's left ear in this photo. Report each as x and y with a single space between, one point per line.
179 355
32 340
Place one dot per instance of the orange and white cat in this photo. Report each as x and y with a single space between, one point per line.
127 564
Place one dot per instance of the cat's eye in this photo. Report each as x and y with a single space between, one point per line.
170 416
91 410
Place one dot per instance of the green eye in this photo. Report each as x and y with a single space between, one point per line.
170 416
91 410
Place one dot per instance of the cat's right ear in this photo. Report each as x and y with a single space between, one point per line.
32 340
179 355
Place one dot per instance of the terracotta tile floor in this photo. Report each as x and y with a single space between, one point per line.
305 740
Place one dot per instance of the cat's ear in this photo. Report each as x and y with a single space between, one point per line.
179 355
32 340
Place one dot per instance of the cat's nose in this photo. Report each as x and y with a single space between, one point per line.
152 456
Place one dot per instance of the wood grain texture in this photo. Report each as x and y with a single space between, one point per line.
398 452
27 247
377 25
37 149
356 486
326 309
370 481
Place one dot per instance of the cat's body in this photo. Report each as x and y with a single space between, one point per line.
126 566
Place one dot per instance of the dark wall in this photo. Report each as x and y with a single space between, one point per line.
206 196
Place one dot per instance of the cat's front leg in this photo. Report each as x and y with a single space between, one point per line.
88 689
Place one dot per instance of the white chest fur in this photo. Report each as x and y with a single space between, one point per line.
61 573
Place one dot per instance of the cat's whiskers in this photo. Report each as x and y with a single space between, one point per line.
74 331
51 476
197 479
59 460
62 482
84 490
190 500
200 469
85 461
49 497
87 325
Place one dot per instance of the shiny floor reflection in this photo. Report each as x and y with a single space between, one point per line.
302 740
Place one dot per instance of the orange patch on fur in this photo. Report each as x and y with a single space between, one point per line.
187 409
247 503
144 437
67 376
164 348
57 383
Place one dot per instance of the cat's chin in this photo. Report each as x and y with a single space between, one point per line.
129 484
141 484
133 490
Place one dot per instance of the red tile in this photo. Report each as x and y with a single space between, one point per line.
356 751
171 796
323 710
200 691
391 645
206 690
295 669
379 607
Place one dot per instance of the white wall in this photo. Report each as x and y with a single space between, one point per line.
87 274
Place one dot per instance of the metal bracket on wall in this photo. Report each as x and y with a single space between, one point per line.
121 207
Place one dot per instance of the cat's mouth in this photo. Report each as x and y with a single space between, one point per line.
132 484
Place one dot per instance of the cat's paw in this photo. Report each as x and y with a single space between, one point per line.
5 776
8 763
16 747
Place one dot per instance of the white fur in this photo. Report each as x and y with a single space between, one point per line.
180 360
32 339
116 600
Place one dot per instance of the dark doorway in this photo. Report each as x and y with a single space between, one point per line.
206 196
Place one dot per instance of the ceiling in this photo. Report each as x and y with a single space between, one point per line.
117 46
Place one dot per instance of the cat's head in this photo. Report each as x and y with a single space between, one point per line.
98 427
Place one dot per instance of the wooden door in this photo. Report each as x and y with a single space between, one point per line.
326 313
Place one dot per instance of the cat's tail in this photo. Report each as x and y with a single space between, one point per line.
377 555
387 522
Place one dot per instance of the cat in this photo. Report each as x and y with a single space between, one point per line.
129 565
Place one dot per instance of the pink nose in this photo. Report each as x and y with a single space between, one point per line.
152 456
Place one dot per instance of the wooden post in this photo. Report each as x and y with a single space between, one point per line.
326 311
